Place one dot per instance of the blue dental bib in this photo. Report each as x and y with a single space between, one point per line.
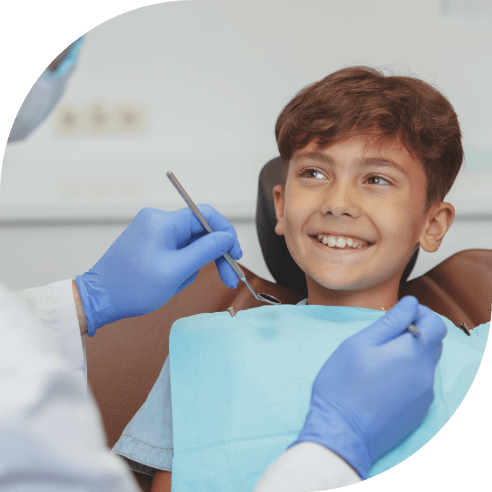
240 388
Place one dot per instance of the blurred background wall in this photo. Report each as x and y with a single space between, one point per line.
196 87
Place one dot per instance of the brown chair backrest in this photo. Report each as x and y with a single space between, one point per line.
459 288
125 358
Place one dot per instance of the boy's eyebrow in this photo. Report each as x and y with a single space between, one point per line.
370 161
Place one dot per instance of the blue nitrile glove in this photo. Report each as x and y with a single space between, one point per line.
155 257
377 386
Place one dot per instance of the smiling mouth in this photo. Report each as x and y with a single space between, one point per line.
341 242
337 249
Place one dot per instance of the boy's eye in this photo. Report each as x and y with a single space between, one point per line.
306 171
376 176
373 177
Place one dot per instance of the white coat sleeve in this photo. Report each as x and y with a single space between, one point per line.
54 307
51 437
307 466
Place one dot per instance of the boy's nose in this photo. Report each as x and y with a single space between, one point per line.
341 200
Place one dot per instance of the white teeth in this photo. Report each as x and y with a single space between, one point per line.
341 243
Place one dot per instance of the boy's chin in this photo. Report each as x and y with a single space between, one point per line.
342 284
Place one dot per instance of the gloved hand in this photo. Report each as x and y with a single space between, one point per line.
155 257
377 386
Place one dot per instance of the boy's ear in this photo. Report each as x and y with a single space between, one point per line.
441 216
279 201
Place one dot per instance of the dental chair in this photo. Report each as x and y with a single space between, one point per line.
126 357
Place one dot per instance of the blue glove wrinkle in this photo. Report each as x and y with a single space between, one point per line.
95 301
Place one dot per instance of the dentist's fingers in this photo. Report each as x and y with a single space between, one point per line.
219 223
431 326
432 331
226 273
394 323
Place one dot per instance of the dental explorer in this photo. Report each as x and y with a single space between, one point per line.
261 297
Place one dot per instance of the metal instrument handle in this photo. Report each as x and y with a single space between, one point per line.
204 223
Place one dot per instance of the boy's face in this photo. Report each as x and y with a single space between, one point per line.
356 193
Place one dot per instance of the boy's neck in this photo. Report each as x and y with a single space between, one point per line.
371 299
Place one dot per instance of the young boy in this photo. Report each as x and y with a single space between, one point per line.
368 160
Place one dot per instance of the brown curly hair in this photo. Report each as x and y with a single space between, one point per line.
364 101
